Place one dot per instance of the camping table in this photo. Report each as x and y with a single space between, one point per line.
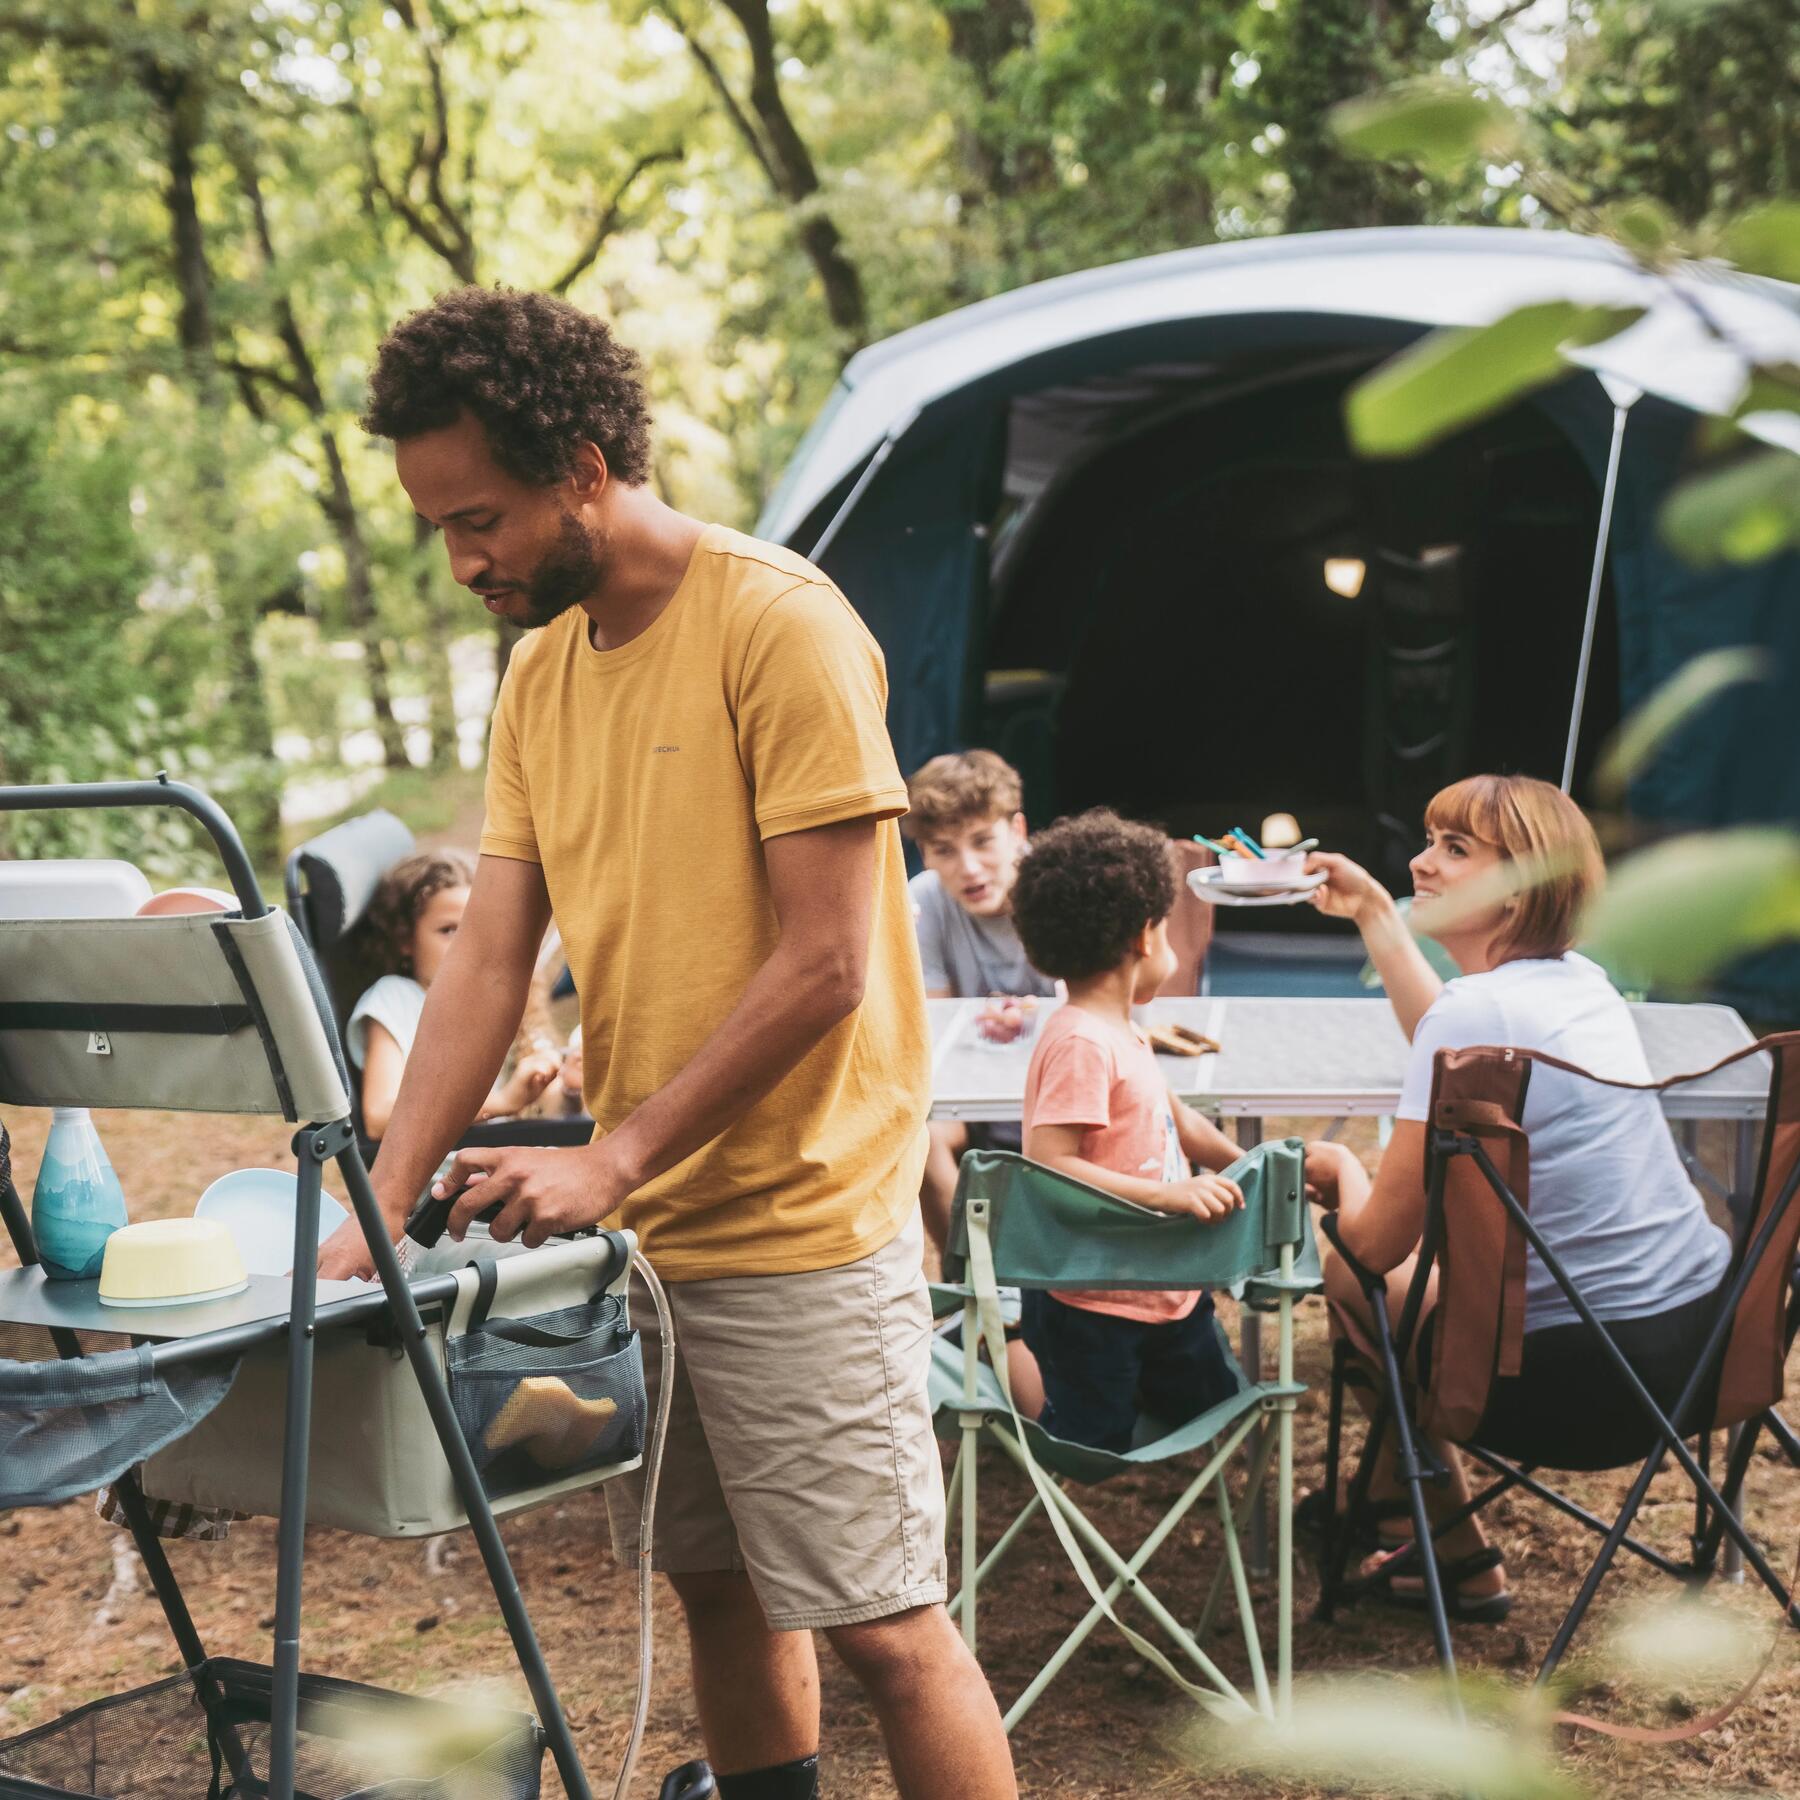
1338 1059
27 1297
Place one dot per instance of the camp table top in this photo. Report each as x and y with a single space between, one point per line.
1322 1058
28 1298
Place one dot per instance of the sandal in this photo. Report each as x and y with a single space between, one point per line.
1467 1609
1311 1517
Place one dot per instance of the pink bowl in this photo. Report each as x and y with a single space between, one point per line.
1278 869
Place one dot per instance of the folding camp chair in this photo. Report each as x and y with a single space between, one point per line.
330 881
1017 1223
224 1013
1477 1227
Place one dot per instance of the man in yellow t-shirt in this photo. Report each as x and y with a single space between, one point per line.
690 765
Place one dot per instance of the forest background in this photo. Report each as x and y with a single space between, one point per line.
211 210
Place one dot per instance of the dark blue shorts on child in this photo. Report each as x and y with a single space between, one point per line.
1101 1372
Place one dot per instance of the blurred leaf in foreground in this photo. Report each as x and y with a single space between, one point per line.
1689 689
1438 125
1675 914
1645 227
1740 514
1453 378
1766 240
1395 1738
1687 1640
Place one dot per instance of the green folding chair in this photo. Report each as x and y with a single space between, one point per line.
1018 1224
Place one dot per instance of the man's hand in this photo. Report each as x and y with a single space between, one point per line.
1205 1196
344 1256
540 1193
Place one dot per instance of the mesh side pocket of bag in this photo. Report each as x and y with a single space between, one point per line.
543 1398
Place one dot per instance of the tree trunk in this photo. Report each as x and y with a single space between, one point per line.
983 33
440 675
782 152
359 600
1335 50
248 733
337 502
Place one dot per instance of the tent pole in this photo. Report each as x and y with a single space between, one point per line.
871 469
1623 396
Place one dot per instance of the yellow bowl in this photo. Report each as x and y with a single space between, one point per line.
169 1262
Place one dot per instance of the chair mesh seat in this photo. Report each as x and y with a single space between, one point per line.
354 1743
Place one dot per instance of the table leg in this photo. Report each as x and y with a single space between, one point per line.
1743 1197
1249 1132
1687 1138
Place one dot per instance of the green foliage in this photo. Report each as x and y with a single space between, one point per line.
1742 513
1766 240
1691 105
1679 912
1688 692
1437 125
189 587
1453 378
93 686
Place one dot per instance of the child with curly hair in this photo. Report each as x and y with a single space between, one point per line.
1092 904
411 921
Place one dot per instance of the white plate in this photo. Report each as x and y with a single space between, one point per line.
1208 884
257 1207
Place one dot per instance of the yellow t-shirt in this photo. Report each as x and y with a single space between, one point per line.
644 780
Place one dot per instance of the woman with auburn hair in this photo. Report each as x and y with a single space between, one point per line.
1508 864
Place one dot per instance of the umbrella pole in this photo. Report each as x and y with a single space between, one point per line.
1622 396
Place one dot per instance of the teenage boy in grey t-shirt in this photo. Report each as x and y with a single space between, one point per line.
965 817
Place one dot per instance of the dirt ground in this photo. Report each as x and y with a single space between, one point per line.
1108 1727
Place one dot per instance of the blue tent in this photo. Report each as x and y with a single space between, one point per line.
1110 526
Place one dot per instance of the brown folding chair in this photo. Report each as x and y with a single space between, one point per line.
1477 1228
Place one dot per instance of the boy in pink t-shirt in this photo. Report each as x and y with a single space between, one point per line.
1091 904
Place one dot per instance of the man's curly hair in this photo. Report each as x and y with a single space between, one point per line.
1086 888
541 375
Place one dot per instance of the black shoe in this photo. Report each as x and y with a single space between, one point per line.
692 1781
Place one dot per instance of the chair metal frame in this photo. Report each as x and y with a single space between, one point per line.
493 1134
1293 1274
1717 1520
314 1144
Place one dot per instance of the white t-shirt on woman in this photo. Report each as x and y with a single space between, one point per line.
1608 1190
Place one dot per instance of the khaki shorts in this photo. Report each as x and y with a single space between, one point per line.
800 1446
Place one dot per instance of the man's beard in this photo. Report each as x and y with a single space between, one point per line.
570 571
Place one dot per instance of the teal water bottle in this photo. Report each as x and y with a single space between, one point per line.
77 1203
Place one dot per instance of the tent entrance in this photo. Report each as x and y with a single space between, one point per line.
1225 614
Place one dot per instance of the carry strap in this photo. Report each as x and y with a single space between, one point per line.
991 1331
198 1019
487 1285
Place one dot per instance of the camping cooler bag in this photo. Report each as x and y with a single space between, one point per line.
546 1374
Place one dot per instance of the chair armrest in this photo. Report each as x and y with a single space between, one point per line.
1369 1281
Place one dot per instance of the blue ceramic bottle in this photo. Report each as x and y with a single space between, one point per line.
77 1203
